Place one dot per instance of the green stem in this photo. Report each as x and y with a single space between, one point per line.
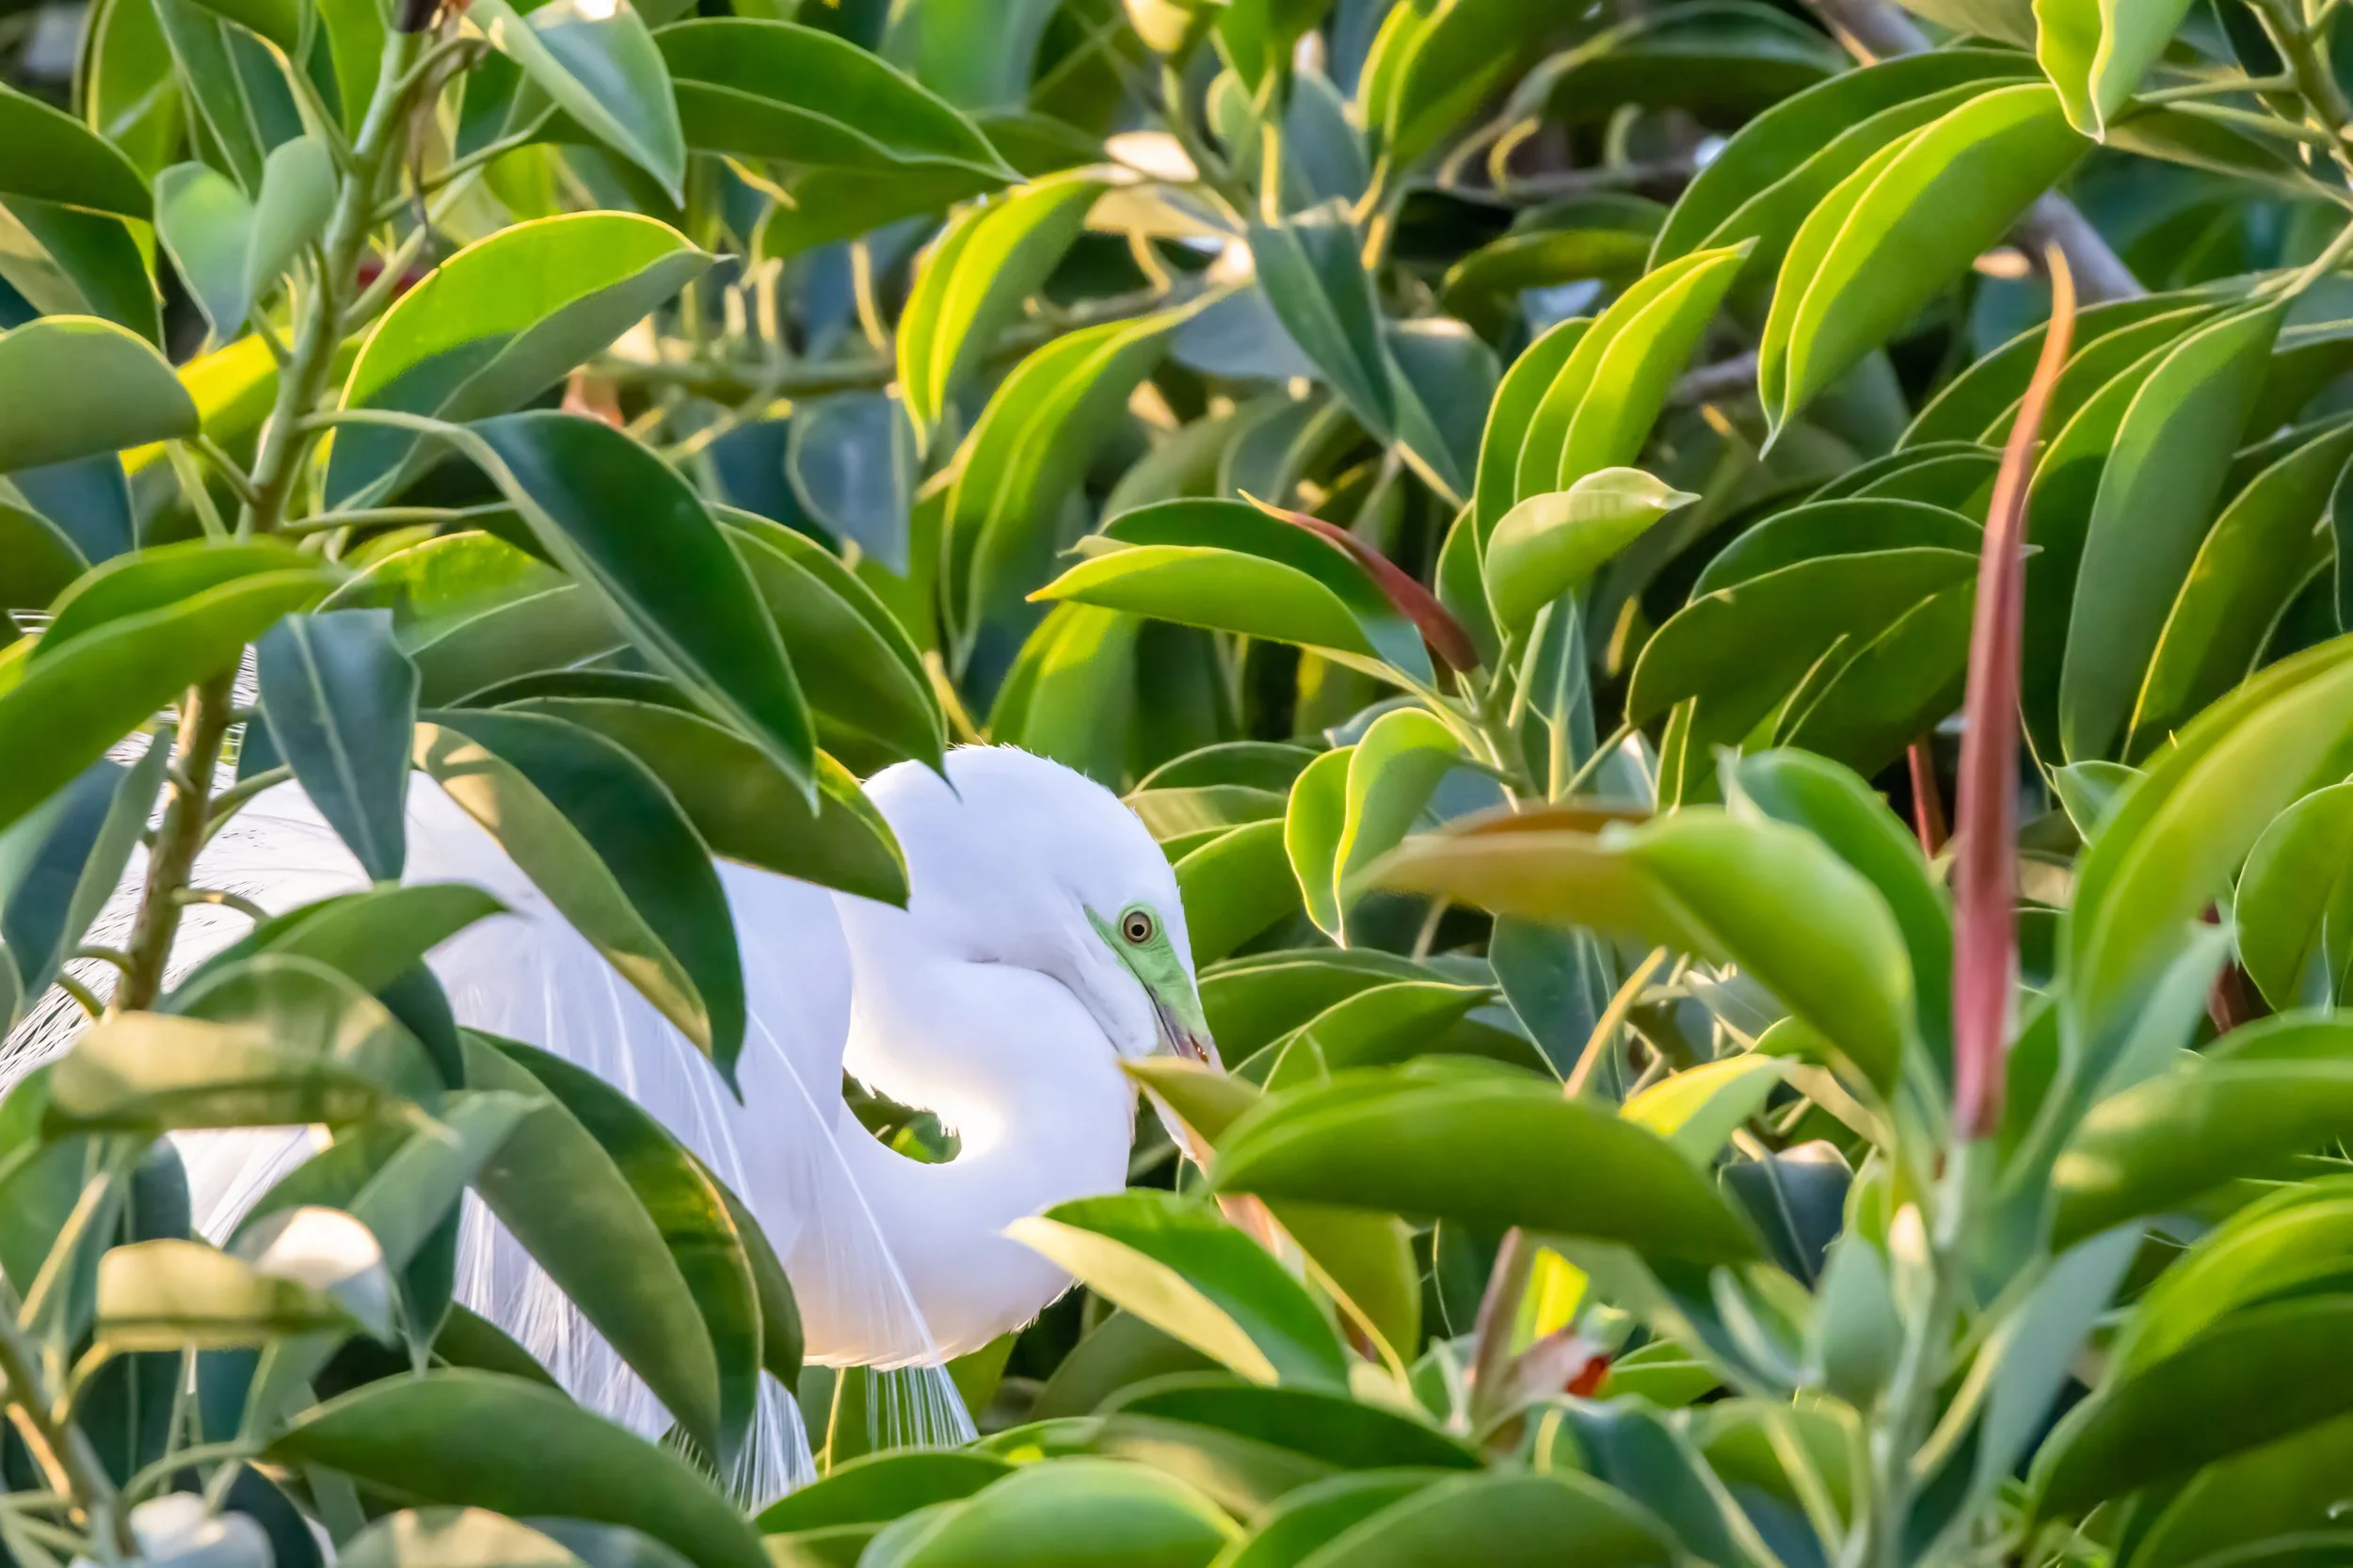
63 1450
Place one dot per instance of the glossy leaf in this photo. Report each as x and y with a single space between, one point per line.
2296 927
2096 53
1897 230
1487 1149
1506 1519
1712 886
599 64
601 839
498 324
1235 887
2155 497
449 1437
74 386
341 700
971 284
763 89
1072 1512
1178 1267
1554 543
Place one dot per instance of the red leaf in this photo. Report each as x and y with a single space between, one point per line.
1985 872
1435 622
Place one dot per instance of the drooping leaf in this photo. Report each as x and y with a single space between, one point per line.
74 386
341 700
600 66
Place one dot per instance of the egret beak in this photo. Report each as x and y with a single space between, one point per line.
1188 1038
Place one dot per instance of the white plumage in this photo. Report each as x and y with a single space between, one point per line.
995 1000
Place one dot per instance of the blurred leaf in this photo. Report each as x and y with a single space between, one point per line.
51 156
1505 1519
876 1488
205 222
1178 1266
452 1538
449 1437
72 386
1316 1513
167 1295
1313 277
850 460
60 864
1067 1515
1435 61
341 700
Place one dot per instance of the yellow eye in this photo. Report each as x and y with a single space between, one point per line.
1136 925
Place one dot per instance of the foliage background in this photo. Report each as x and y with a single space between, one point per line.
1511 493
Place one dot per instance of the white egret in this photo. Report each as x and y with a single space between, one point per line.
1044 940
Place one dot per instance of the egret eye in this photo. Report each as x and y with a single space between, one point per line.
1136 925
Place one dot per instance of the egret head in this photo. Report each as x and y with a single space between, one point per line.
1027 863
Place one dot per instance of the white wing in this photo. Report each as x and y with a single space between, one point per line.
531 976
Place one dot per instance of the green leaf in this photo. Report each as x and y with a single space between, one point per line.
599 64
2259 552
2175 839
971 285
374 937
495 325
341 700
863 677
2155 500
2257 1376
1554 543
1069 1515
1235 887
1697 1110
827 205
603 840
1599 410
60 865
975 60
1376 1028
2295 928
741 804
614 514
1229 566
1435 63
1317 284
1896 231
1711 886
591 1201
142 582
1486 1149
205 222
1027 451
1176 1265
48 156
1840 526
297 197
1843 812
1314 818
1518 397
1444 376
771 90
1743 650
2096 53
58 714
2175 1137
697 1224
450 1437
1320 1511
1507 1520
173 1295
152 1071
2277 1247
74 386
876 1488
1791 155
1392 774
